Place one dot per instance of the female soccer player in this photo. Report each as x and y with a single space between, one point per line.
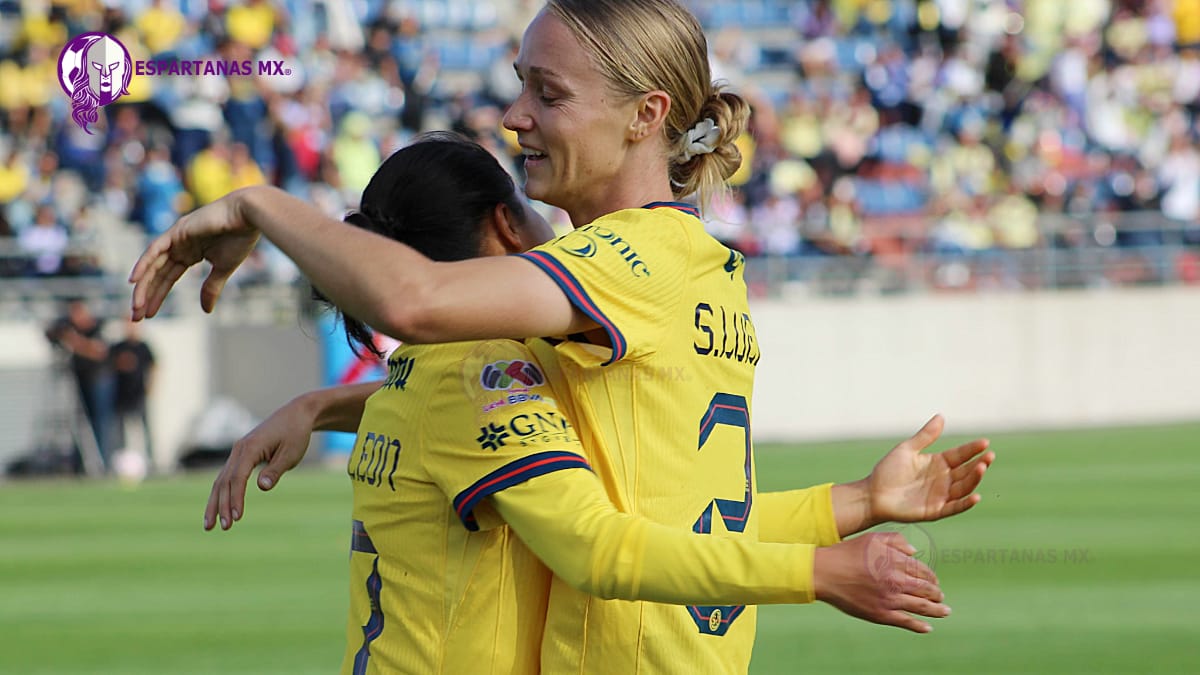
437 582
618 120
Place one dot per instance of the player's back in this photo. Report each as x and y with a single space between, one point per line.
427 594
666 427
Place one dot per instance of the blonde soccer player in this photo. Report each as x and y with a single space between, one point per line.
618 120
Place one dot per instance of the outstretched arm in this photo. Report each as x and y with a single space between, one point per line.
382 282
281 441
906 486
910 486
567 520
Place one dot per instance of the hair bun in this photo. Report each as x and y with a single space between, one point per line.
707 154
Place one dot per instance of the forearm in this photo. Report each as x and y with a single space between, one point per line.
361 272
399 292
337 408
566 520
805 516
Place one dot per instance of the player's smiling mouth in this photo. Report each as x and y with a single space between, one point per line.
533 157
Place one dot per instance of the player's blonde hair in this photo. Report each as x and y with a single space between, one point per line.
647 45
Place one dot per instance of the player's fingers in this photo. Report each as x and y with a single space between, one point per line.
957 506
957 456
237 485
906 621
211 289
918 570
963 470
157 248
210 509
272 472
897 541
922 606
966 484
163 281
145 272
224 507
927 434
910 584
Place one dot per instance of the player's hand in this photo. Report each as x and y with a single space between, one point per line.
875 578
217 232
281 441
910 486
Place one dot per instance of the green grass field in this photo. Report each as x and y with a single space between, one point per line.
97 578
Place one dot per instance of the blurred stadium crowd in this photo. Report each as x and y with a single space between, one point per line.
882 129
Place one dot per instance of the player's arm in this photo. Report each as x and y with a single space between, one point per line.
281 441
907 485
568 522
799 516
384 283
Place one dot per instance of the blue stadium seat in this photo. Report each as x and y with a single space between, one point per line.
879 198
895 143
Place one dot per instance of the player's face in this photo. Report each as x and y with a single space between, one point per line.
571 126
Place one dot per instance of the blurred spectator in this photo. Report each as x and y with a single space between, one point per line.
159 192
45 242
356 155
243 172
133 364
964 120
252 23
14 177
210 174
80 333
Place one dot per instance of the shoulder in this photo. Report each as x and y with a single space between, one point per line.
470 366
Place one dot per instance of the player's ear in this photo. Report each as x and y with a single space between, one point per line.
504 226
651 114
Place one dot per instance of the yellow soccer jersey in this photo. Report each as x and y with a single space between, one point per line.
673 303
451 425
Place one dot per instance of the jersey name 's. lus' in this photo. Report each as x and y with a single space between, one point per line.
725 333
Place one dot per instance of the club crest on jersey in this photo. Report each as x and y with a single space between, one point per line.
502 375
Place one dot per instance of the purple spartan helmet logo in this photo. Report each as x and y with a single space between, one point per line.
94 69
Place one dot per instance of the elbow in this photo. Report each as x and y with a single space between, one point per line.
409 316
403 321
582 580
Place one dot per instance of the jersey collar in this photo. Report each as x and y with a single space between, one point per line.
678 206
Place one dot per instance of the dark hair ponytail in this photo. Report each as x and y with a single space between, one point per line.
432 195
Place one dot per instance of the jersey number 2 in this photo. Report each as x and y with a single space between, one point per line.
729 410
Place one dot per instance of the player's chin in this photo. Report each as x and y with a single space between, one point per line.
537 188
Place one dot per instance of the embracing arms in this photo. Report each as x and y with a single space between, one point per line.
384 283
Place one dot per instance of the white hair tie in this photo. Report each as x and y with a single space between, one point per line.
702 138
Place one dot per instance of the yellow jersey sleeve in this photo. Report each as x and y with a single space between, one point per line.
798 516
511 431
568 522
625 271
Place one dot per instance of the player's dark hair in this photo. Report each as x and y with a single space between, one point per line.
432 195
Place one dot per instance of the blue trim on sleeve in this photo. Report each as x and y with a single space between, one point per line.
578 297
513 473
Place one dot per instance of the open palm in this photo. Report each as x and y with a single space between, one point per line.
908 485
